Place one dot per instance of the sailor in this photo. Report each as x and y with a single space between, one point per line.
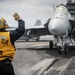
7 48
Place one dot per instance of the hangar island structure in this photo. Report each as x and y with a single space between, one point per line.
71 7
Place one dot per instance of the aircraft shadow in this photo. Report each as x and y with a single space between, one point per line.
53 52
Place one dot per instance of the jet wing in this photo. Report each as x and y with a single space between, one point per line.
39 30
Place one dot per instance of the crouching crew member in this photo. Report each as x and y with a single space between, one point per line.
7 48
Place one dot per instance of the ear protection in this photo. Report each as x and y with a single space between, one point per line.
2 23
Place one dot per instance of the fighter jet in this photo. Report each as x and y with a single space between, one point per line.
61 26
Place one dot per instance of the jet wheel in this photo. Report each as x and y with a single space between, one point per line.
37 39
66 49
51 44
27 40
59 49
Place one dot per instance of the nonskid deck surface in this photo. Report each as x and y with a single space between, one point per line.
35 58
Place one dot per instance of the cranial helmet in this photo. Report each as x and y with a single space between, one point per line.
2 23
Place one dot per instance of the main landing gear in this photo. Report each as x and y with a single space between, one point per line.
63 49
52 44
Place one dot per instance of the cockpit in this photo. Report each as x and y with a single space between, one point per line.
61 9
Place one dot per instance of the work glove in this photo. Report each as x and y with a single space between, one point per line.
16 16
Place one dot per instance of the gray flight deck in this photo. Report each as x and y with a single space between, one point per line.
35 58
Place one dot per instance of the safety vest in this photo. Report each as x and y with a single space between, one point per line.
7 50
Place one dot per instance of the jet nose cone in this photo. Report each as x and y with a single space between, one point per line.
57 26
54 29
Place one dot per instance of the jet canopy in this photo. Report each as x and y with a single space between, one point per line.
61 9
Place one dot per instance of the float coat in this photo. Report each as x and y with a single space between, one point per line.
7 50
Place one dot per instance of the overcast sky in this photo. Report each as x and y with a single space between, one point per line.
29 10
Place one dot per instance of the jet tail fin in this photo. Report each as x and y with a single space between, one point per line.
38 23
